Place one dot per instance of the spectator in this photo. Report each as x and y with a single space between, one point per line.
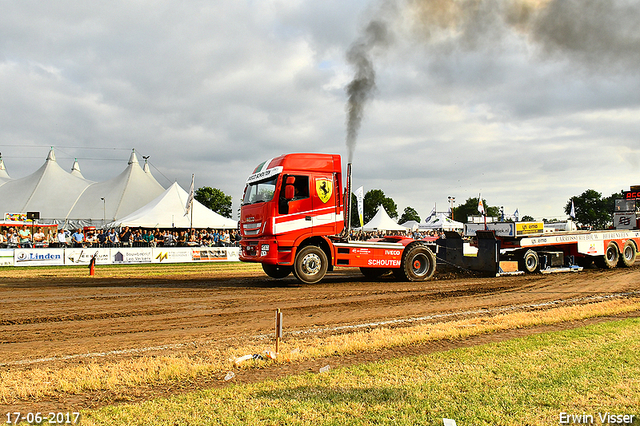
91 239
169 240
112 238
62 238
149 239
101 238
13 238
39 239
125 237
77 239
25 237
225 239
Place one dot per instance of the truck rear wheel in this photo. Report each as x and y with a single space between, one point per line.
276 271
418 264
610 258
530 262
310 265
628 255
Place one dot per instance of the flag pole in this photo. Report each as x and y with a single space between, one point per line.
193 178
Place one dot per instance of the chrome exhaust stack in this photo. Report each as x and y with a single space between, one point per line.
347 206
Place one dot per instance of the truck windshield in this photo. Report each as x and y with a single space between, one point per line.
260 192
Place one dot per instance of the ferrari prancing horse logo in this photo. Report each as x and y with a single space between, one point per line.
324 189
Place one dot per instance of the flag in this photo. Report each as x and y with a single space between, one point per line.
573 210
480 205
516 214
190 198
359 193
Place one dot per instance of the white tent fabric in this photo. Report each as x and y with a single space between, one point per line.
4 176
124 194
441 221
411 224
168 210
382 222
50 190
71 200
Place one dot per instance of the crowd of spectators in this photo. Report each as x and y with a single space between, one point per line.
20 237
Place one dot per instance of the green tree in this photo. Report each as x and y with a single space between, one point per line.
593 210
375 198
409 214
526 218
214 199
470 208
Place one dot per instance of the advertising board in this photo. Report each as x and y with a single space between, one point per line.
38 257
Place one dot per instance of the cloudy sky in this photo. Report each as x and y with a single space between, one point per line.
527 102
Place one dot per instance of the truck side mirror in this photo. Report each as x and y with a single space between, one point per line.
289 189
289 192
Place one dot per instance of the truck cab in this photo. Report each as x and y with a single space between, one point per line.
288 200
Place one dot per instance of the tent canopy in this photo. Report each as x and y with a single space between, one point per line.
382 222
441 221
168 210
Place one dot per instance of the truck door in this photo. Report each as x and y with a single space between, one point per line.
295 204
323 198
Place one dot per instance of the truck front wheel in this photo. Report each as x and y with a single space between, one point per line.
310 265
276 271
418 264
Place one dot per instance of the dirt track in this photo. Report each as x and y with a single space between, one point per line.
50 317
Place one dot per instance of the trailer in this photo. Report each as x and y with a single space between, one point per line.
294 218
528 247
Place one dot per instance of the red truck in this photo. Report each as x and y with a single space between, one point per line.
295 218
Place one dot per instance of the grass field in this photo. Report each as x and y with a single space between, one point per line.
527 381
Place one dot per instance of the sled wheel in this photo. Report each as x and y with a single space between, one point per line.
610 258
310 265
530 262
628 255
276 271
418 264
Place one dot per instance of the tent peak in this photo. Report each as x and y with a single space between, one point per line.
75 170
51 156
133 159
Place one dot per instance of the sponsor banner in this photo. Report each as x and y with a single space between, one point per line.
208 254
502 229
171 255
15 217
577 237
6 257
624 220
132 255
38 257
529 228
82 256
263 175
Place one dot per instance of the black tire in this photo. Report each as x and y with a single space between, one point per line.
628 255
585 261
610 258
529 262
310 265
276 271
373 273
418 264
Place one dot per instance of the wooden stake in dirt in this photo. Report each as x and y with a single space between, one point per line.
278 329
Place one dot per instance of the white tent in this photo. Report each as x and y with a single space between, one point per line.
411 224
441 221
110 200
168 210
70 199
382 222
